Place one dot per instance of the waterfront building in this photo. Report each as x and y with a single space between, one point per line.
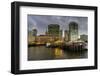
31 38
34 32
60 34
66 35
73 31
84 37
42 39
53 29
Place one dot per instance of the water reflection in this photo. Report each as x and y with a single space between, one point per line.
58 53
43 53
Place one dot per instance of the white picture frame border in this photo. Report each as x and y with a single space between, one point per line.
25 64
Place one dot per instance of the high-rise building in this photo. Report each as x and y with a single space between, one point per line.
53 29
60 33
73 31
66 35
84 37
34 32
31 38
32 35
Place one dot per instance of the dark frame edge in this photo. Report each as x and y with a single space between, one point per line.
53 5
56 70
15 44
96 37
12 39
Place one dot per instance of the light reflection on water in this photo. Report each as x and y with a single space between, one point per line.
58 53
43 53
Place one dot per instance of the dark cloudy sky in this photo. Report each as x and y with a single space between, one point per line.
40 22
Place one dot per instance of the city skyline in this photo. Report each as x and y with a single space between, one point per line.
41 22
57 37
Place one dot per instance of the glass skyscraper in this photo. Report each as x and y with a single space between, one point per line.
73 31
53 29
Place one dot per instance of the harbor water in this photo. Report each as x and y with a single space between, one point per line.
44 53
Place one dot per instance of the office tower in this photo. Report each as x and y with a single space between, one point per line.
73 31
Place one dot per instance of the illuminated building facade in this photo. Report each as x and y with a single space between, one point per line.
42 39
66 34
32 36
84 37
60 34
34 32
53 29
73 31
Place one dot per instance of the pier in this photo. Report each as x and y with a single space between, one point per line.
72 46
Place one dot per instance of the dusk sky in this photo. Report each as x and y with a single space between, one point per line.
40 22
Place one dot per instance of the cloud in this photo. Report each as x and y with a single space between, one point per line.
40 22
32 24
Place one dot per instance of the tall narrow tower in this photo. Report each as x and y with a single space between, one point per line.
34 32
73 31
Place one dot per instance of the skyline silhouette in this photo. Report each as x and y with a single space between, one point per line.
41 22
